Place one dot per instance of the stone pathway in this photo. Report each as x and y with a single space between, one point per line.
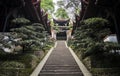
60 63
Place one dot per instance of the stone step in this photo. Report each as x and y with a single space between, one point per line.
61 74
59 71
61 67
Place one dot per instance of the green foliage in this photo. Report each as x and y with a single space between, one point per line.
95 49
47 5
74 4
29 60
106 71
20 21
8 43
14 72
2 52
26 40
32 36
97 28
61 13
96 23
35 28
12 64
60 3
89 38
89 46
38 27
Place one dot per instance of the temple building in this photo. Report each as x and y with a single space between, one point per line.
61 29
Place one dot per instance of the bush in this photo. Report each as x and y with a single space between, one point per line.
12 64
106 71
88 42
20 21
31 39
14 72
96 28
90 36
29 60
2 52
38 27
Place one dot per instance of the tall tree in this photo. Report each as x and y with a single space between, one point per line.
61 13
71 6
47 5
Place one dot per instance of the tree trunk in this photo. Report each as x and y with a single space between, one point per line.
116 18
2 18
30 11
91 10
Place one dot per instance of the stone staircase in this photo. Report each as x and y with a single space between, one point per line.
62 70
60 63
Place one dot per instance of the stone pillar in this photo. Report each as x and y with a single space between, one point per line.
69 32
53 34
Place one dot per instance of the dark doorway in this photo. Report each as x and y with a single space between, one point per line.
61 35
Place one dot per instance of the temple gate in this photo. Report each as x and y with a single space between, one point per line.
61 29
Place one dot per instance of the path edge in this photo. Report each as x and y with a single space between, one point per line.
42 62
79 62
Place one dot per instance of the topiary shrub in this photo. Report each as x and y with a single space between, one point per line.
89 46
90 35
20 21
30 43
38 27
97 28
32 37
